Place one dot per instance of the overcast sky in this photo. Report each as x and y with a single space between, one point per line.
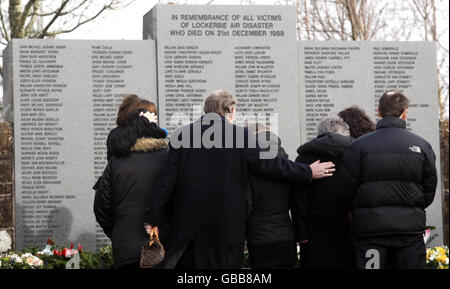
127 22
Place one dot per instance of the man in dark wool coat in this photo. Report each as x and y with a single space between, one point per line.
394 176
205 181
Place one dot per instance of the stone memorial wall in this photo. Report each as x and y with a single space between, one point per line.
249 51
334 75
66 94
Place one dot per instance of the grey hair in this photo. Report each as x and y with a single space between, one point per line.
333 124
220 101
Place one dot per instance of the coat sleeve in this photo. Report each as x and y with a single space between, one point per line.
249 196
350 175
347 184
299 209
276 168
103 202
159 199
119 142
429 176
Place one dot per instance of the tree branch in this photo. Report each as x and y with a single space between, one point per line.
63 13
43 33
33 18
80 23
4 28
25 13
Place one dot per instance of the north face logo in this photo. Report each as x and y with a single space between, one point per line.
415 149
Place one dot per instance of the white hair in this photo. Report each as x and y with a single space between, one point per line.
333 124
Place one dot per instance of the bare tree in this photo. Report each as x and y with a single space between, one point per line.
47 19
341 19
380 20
427 13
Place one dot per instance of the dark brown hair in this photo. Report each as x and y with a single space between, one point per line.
357 120
130 103
393 104
220 101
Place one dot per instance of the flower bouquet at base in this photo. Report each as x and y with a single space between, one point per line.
51 257
437 257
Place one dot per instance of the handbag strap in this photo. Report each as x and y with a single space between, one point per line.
154 236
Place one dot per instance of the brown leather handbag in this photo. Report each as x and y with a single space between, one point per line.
152 251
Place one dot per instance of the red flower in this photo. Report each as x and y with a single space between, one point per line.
50 242
79 248
71 246
55 252
64 252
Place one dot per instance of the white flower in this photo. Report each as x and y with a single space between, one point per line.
15 258
47 251
5 241
26 255
38 262
34 261
29 261
27 258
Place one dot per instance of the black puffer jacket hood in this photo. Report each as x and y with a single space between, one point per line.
326 145
121 139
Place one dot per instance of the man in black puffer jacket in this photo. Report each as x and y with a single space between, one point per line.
394 176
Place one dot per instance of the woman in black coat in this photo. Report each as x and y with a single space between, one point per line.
123 190
322 208
269 232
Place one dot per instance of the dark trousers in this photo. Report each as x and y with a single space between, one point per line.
277 255
390 252
187 259
327 254
191 258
